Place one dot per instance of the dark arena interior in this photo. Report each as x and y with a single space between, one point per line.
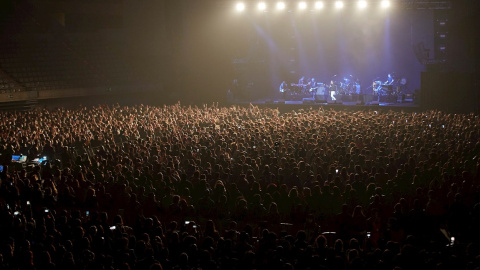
217 134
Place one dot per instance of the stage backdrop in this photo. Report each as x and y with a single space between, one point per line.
330 44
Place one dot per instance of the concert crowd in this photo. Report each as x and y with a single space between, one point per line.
182 187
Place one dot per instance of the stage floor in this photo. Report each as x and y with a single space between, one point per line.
294 103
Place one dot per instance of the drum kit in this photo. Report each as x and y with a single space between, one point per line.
347 85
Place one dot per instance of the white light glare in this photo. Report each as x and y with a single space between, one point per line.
262 6
318 5
362 4
280 5
385 4
338 4
302 5
240 6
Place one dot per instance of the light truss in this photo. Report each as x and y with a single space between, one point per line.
396 4
425 4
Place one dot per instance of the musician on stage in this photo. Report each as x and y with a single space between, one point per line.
312 86
302 84
283 89
389 80
301 80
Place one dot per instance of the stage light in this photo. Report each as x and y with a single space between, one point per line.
338 4
318 5
240 6
302 5
281 5
262 6
385 4
362 4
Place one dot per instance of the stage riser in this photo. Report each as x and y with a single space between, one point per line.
285 107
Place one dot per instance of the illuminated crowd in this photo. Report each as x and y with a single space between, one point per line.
177 187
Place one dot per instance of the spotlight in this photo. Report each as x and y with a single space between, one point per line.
362 4
318 5
240 6
385 4
262 6
281 5
338 4
302 5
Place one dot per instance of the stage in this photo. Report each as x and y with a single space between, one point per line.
358 102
